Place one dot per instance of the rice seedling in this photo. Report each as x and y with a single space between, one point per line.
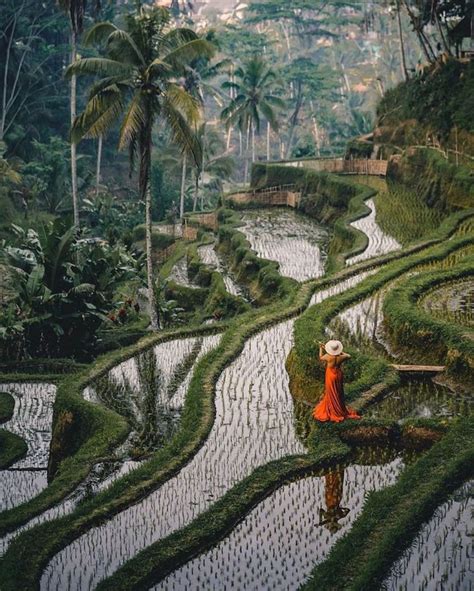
297 243
403 214
455 258
440 556
282 537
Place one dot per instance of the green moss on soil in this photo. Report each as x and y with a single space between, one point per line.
12 448
7 406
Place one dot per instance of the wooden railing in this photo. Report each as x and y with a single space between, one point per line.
341 166
278 195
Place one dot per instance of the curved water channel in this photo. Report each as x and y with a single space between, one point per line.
254 424
278 543
169 380
32 420
440 557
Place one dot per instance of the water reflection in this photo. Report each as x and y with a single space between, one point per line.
419 398
279 542
334 485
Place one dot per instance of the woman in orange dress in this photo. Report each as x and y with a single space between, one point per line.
332 407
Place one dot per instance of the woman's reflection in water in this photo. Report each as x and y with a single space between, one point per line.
330 516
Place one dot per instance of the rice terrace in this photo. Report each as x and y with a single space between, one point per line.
237 295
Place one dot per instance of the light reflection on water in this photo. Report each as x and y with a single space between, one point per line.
441 556
280 541
296 242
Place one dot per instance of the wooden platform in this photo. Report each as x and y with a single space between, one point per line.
419 368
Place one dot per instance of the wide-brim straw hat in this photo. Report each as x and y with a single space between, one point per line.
333 347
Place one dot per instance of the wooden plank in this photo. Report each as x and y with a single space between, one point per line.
419 368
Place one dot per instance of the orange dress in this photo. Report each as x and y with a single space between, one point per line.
332 406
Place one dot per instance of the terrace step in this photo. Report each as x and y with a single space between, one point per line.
419 368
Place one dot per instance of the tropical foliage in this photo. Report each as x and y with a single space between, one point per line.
138 80
63 288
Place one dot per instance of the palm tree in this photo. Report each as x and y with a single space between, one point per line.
139 84
215 164
75 10
254 100
198 82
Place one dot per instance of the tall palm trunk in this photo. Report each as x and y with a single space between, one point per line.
294 119
73 109
99 162
402 44
196 190
145 194
316 134
247 150
183 185
447 49
253 142
268 141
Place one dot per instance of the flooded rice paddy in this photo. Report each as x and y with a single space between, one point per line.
297 243
254 424
441 557
418 398
31 420
211 258
378 241
280 541
173 386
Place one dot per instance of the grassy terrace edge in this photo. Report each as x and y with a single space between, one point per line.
409 324
105 429
52 536
159 559
12 448
392 517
